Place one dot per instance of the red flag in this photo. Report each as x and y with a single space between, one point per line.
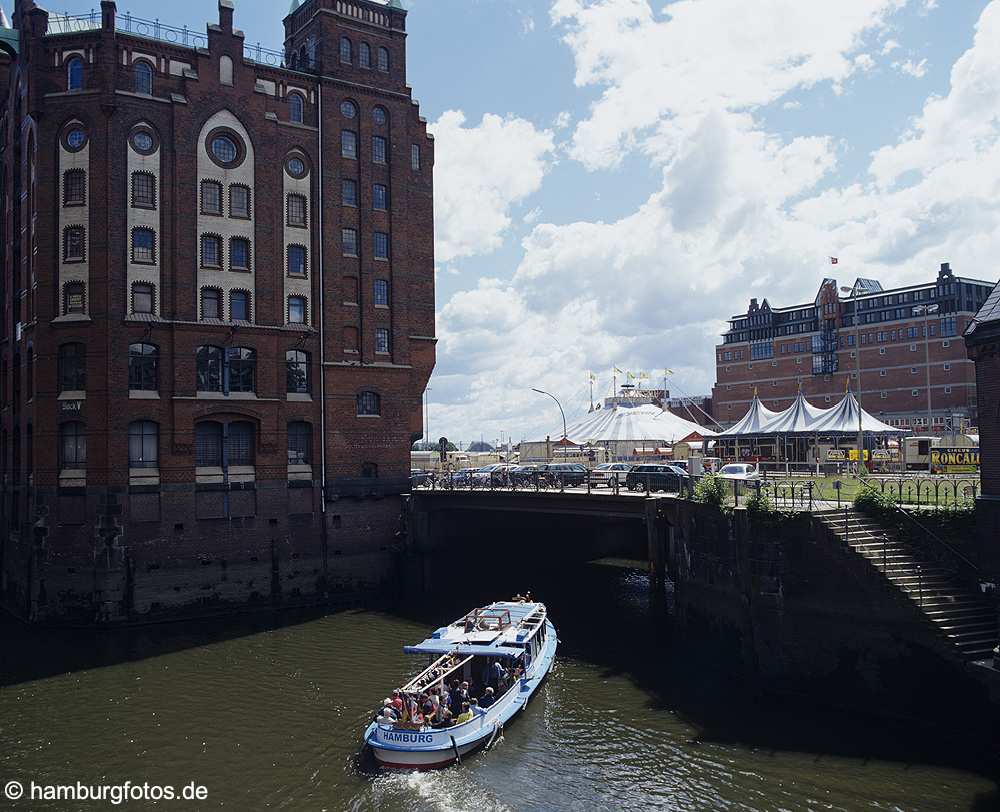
833 260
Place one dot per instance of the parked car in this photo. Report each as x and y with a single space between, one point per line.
739 470
420 478
460 478
495 473
566 474
522 475
610 472
667 478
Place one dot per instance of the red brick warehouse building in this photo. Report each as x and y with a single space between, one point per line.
218 308
776 350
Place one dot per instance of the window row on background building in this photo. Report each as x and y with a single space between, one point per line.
218 369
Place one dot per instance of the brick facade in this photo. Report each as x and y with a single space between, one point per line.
214 504
775 351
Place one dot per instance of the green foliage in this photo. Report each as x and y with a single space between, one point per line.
874 502
711 490
759 503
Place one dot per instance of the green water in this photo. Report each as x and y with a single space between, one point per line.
267 715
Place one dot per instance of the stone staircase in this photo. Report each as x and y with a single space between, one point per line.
959 614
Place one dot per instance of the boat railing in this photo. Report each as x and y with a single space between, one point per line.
420 682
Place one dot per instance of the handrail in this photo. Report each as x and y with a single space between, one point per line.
414 683
941 542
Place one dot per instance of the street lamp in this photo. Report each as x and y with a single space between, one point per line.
925 311
427 417
857 354
543 392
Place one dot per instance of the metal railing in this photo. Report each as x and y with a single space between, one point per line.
153 29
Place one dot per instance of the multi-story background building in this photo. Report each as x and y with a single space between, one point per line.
217 302
901 333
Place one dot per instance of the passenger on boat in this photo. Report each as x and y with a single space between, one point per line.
388 716
474 707
444 717
397 700
459 694
497 674
465 715
488 699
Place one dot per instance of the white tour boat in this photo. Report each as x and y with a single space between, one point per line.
516 634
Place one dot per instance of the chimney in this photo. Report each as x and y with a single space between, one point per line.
226 15
945 269
108 13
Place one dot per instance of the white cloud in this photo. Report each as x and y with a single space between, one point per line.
662 74
532 216
479 173
915 69
864 62
562 121
889 46
792 105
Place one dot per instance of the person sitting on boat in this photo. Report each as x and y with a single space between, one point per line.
459 694
488 699
497 673
475 707
466 714
388 716
397 701
443 718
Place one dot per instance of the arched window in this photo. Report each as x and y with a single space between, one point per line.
74 74
211 197
144 246
295 107
73 367
143 190
143 74
296 260
297 366
364 55
239 305
345 50
239 254
369 404
208 444
74 244
240 443
143 367
369 470
75 188
143 444
143 298
299 443
239 201
211 251
211 303
383 60
209 365
74 298
297 210
73 445
297 310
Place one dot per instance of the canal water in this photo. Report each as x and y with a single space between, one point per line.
266 713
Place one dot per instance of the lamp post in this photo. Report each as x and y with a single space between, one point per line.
925 311
427 417
543 392
857 355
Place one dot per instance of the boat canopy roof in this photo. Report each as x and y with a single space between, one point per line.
491 631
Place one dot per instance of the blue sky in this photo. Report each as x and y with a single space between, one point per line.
617 177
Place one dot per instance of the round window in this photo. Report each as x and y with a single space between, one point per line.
142 141
348 110
224 149
378 116
76 138
296 167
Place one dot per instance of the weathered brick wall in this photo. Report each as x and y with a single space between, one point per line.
179 552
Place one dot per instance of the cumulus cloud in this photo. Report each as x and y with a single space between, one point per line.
664 73
473 195
915 69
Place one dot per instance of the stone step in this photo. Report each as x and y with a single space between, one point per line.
971 609
985 627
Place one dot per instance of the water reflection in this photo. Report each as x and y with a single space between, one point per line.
268 715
